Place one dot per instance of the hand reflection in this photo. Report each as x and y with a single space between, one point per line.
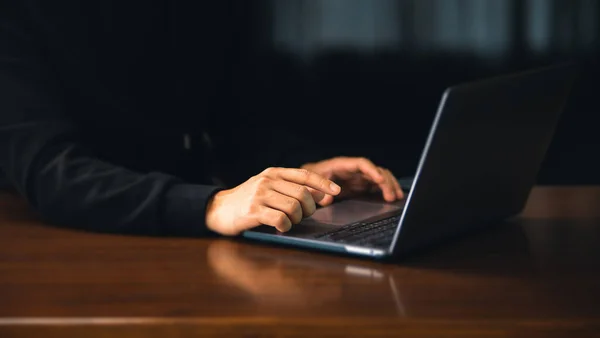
271 279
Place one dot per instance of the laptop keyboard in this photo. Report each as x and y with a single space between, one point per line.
374 234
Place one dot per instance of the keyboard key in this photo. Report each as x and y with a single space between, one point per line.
379 233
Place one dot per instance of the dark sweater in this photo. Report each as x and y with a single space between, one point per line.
105 107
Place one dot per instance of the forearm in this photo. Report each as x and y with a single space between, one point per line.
44 158
68 186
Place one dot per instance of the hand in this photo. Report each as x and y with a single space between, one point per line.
357 175
278 197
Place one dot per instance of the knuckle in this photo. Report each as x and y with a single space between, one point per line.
310 209
270 171
257 196
365 161
323 183
300 192
305 195
296 211
267 171
303 175
253 199
261 181
303 172
281 219
294 205
251 209
305 200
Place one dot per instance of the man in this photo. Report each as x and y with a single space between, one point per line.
115 116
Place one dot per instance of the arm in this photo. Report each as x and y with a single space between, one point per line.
43 159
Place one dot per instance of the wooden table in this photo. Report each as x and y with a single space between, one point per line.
538 276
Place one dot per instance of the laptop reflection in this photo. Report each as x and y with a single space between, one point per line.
277 280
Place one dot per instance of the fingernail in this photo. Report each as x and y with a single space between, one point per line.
335 188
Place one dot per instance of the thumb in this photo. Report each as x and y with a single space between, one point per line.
321 198
327 200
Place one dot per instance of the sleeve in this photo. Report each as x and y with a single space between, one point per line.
43 159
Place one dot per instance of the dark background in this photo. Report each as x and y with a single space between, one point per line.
364 77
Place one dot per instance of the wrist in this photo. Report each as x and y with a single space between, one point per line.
211 215
183 209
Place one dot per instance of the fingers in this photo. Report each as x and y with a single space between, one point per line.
322 200
299 193
399 191
274 218
359 165
295 208
381 177
392 184
369 169
327 200
387 187
304 177
280 203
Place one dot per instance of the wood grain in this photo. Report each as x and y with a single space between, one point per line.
534 276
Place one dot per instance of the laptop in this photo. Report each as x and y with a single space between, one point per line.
480 161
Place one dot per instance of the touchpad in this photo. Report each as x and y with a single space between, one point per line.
349 211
